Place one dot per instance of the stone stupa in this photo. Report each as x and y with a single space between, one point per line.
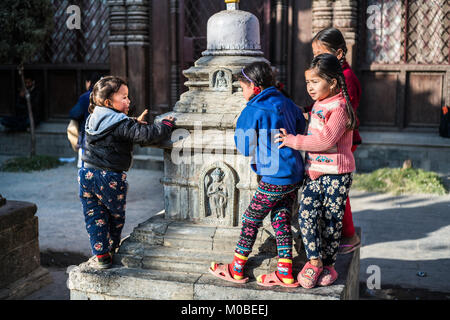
207 187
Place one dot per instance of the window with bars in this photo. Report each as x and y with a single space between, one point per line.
87 45
196 15
407 31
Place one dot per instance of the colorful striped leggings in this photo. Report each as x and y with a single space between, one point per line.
279 201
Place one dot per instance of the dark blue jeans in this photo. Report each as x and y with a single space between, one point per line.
103 196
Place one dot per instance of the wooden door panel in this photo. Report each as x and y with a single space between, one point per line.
424 99
63 92
378 100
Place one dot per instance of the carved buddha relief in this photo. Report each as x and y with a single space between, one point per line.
217 191
220 80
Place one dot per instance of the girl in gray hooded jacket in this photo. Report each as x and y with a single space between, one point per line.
110 135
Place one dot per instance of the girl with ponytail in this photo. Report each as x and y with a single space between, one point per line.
331 40
110 137
329 167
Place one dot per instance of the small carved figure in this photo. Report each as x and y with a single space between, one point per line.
217 193
221 82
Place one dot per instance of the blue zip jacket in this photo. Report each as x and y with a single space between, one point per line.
80 112
254 137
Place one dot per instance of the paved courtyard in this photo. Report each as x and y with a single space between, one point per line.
405 238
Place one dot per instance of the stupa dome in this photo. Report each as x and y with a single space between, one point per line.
233 32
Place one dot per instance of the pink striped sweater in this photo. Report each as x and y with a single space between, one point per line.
328 143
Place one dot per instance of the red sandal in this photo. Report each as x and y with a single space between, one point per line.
272 279
222 271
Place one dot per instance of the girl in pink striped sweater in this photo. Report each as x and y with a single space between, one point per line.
329 167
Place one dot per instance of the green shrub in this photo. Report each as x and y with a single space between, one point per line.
400 181
27 164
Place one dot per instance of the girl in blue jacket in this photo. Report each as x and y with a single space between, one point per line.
280 173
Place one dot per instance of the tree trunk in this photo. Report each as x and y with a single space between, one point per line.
30 113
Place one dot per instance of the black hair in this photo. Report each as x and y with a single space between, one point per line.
262 75
333 40
93 77
328 67
104 89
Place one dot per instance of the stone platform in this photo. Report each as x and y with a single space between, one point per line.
20 269
167 260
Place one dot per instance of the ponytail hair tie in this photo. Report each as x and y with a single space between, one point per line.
280 86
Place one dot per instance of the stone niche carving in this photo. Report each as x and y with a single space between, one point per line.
217 193
221 80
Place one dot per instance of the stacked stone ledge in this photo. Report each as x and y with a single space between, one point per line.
20 271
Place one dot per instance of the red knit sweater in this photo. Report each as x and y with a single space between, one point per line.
328 142
354 92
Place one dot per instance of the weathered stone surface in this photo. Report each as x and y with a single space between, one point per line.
233 32
19 262
20 271
19 254
18 234
162 266
15 212
85 282
23 287
209 288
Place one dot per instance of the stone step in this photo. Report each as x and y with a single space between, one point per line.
192 236
119 282
51 139
134 255
161 244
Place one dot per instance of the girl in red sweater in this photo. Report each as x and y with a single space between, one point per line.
329 167
331 40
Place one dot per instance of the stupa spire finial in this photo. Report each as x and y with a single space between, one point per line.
232 4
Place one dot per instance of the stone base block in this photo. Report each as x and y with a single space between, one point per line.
162 260
25 286
88 283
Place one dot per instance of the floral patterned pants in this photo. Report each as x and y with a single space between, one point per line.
103 196
322 206
279 201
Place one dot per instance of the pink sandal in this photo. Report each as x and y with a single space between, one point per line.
328 276
309 276
270 280
222 271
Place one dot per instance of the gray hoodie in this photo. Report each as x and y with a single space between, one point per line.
102 119
110 136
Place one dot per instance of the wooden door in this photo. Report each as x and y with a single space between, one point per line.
404 63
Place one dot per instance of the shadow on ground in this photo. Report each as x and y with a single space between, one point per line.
408 239
61 259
